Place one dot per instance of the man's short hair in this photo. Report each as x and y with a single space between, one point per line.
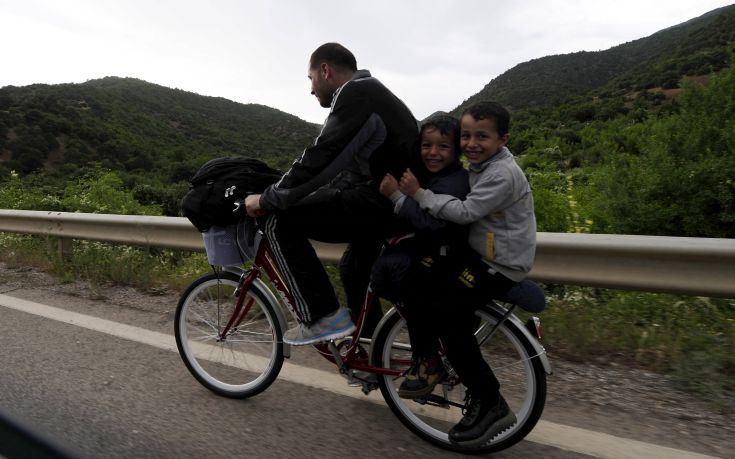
335 55
490 111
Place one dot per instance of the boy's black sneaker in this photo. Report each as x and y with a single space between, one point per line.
483 420
421 377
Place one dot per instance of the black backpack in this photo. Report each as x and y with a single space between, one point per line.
219 183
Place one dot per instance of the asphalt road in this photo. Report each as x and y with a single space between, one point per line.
107 397
101 377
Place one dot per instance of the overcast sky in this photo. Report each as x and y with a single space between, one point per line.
432 54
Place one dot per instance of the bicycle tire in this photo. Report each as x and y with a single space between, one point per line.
514 362
250 358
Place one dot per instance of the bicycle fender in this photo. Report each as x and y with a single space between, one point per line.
540 350
391 312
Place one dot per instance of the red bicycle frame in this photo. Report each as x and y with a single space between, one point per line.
264 261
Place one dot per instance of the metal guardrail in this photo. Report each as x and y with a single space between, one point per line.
690 266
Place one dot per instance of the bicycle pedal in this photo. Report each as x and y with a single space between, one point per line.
368 387
433 400
361 378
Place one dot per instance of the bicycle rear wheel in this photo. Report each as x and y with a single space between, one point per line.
249 358
509 353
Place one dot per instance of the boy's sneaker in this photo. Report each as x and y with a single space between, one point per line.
336 325
422 376
483 420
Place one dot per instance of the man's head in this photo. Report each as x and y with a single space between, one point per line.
331 65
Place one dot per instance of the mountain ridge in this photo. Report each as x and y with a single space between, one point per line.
155 138
539 81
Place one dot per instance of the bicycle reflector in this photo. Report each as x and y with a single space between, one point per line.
534 326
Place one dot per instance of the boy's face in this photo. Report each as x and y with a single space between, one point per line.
437 149
479 139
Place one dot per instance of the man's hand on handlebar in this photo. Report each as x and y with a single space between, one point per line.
252 206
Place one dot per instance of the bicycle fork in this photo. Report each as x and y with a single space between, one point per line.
241 307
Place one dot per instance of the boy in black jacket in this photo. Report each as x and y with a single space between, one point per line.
393 274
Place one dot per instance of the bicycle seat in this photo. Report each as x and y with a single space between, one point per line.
526 294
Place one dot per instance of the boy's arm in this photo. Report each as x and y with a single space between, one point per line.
490 194
409 209
419 218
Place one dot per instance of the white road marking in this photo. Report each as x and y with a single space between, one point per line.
547 433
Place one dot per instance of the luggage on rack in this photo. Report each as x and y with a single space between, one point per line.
217 186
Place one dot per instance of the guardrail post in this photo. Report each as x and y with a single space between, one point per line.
65 247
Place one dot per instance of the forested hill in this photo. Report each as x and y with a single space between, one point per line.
140 128
137 127
606 146
696 47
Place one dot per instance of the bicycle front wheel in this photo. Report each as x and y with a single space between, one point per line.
249 358
509 353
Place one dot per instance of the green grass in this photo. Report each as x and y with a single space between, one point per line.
691 339
100 262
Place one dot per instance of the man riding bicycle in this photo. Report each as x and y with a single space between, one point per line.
369 132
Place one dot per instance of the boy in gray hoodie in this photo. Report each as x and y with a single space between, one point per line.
502 227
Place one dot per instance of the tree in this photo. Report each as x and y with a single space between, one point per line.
683 181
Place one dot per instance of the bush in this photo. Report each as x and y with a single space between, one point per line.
690 338
680 182
98 192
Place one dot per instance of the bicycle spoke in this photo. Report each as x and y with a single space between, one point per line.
521 380
244 361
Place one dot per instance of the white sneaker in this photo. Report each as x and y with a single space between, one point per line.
336 325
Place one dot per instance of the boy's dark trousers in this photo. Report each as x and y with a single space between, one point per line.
361 217
449 290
